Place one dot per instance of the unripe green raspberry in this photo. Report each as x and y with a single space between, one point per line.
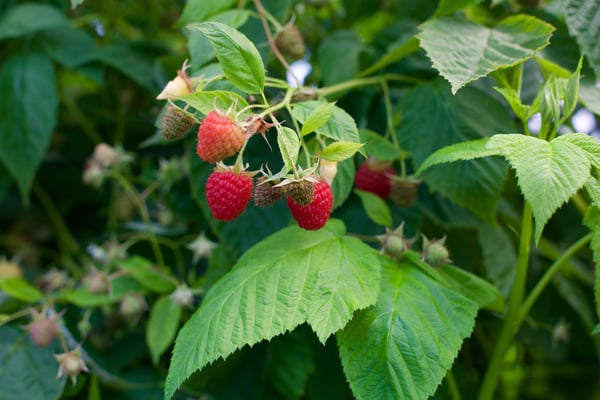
394 243
132 306
435 252
290 42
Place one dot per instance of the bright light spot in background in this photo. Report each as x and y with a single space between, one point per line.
583 121
301 69
98 27
535 123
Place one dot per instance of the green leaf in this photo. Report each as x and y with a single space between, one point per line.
340 127
133 63
76 3
378 147
473 184
289 146
83 298
233 18
340 151
201 10
473 287
588 144
237 55
596 330
291 277
146 273
548 173
583 22
590 95
592 187
28 371
162 326
458 152
499 256
292 362
20 289
402 347
448 7
338 56
592 221
68 46
377 209
557 100
512 97
27 122
27 18
343 183
401 48
317 118
205 100
463 51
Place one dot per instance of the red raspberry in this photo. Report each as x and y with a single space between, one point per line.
374 177
228 193
219 137
314 215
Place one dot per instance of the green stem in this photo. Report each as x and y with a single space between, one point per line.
547 277
511 319
360 82
452 386
143 213
66 241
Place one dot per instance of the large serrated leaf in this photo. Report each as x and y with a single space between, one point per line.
583 22
473 184
592 221
291 277
402 347
28 109
589 144
340 126
548 173
463 51
238 57
458 152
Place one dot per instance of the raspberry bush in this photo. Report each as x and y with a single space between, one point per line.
299 199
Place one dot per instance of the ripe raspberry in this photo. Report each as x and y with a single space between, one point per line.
302 192
314 215
373 176
228 193
219 137
265 194
176 123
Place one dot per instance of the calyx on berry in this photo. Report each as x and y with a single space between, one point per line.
404 190
394 243
435 252
71 364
